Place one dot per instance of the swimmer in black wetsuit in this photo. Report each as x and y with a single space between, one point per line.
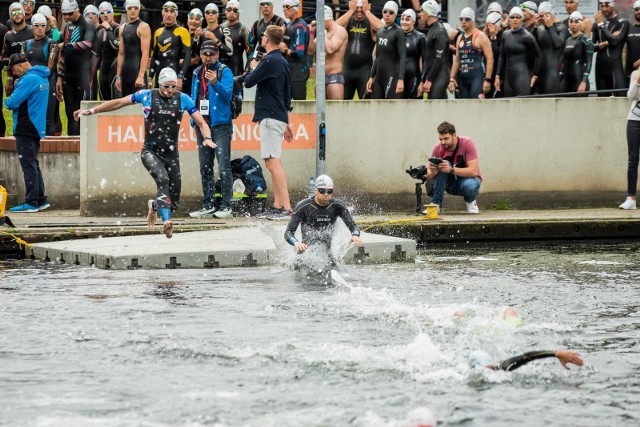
514 77
239 37
578 53
214 31
194 23
435 77
493 30
133 52
416 55
551 37
608 41
14 40
386 79
318 216
482 359
295 50
105 51
633 42
259 27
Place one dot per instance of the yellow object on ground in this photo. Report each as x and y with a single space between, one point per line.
432 211
3 199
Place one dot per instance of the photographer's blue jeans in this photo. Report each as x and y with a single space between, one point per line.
28 148
221 135
456 185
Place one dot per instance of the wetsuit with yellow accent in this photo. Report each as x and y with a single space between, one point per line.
170 45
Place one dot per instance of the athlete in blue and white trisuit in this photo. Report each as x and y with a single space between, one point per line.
163 109
318 215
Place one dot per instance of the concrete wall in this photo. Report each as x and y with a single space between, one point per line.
543 152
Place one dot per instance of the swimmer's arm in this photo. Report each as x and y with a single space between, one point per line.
289 234
563 356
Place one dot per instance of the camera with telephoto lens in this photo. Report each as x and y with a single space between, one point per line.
435 160
417 173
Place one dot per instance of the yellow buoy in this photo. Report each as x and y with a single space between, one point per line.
432 211
3 199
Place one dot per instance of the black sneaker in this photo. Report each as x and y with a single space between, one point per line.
266 214
280 215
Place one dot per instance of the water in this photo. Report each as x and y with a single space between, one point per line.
254 347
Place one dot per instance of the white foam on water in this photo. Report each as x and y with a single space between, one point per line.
600 262
85 421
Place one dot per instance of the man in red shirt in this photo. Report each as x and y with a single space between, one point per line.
453 167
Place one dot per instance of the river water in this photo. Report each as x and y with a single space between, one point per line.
256 347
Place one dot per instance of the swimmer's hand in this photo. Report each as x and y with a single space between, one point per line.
565 357
300 247
356 240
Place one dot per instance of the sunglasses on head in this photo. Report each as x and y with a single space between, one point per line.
465 19
106 12
388 12
325 190
169 86
195 15
18 12
211 12
230 9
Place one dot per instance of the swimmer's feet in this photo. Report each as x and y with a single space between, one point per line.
167 227
151 214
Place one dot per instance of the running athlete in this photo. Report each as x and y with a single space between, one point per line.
335 44
14 40
578 53
481 359
296 50
171 45
572 6
416 55
41 50
105 51
551 37
258 28
194 24
436 70
474 60
163 109
318 215
239 37
74 65
608 41
133 51
633 42
214 32
514 76
361 26
386 79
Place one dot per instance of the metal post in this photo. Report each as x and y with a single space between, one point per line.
321 143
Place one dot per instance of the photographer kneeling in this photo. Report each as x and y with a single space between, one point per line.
453 167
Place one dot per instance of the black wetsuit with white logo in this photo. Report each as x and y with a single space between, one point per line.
13 43
633 48
578 54
437 69
518 48
390 62
551 41
240 42
358 58
132 55
318 221
416 56
609 71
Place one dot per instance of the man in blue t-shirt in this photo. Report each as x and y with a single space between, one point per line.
163 108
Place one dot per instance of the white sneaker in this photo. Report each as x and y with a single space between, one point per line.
224 213
425 211
629 204
202 213
472 208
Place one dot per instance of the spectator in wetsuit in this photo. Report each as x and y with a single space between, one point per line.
335 44
74 66
572 6
14 40
163 108
133 51
474 60
481 359
194 24
215 32
43 51
295 49
608 41
633 42
551 37
386 79
318 215
105 52
258 28
171 46
493 30
436 71
239 37
578 53
361 25
416 55
514 77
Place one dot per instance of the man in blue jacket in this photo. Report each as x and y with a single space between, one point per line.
29 104
211 90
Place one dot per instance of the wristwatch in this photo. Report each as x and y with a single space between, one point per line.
453 170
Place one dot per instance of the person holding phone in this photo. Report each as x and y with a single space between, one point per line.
211 90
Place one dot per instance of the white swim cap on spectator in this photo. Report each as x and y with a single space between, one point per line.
494 7
15 6
132 3
324 181
211 6
422 417
530 6
391 5
45 10
479 359
328 13
577 15
467 12
410 13
233 3
515 11
195 12
431 8
494 18
90 9
105 5
69 6
545 7
294 4
38 18
167 75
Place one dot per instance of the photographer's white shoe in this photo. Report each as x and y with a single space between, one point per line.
472 208
629 204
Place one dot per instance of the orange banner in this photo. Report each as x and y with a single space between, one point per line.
126 133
